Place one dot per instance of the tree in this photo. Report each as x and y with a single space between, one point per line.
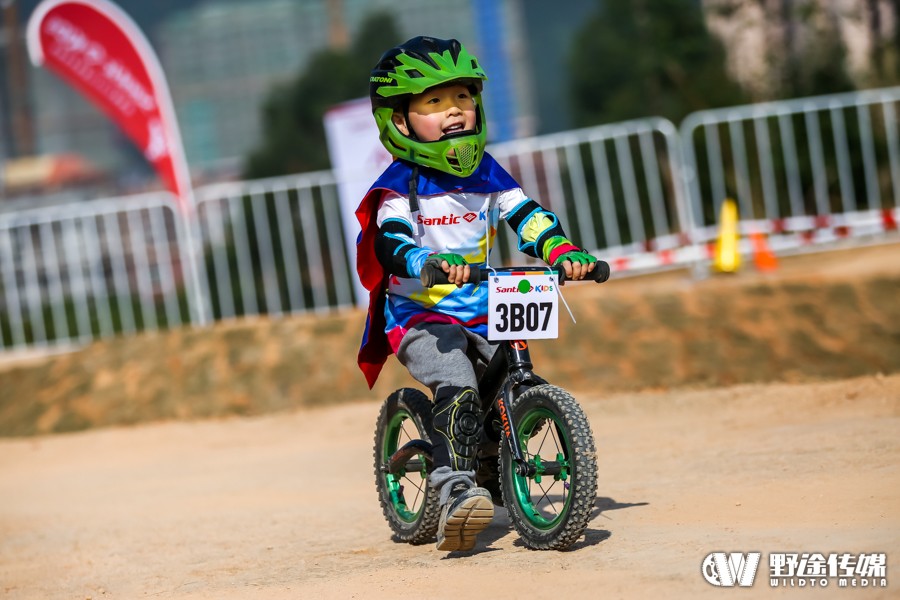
812 59
641 58
293 132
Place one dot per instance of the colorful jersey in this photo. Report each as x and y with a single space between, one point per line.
456 215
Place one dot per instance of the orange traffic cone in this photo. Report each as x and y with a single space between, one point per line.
763 257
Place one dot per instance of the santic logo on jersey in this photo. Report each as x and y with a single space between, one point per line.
451 219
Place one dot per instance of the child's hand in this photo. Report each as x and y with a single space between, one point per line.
577 264
457 274
454 265
575 270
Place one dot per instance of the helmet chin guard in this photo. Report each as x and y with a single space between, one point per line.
467 154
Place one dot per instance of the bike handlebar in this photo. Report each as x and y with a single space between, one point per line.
433 275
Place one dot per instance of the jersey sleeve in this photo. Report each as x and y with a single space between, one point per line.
393 206
395 245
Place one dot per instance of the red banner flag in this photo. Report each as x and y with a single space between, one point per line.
99 50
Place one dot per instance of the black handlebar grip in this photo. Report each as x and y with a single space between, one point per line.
600 272
430 275
434 275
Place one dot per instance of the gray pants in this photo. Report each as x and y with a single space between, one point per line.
440 354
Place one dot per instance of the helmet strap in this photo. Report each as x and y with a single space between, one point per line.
413 190
412 132
414 202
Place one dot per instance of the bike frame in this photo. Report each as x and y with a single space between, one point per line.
510 370
506 374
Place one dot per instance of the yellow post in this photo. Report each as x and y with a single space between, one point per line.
727 259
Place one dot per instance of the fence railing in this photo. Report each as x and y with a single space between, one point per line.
810 157
79 272
273 246
616 187
643 194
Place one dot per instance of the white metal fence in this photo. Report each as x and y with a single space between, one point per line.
78 272
617 188
643 195
826 166
273 247
807 157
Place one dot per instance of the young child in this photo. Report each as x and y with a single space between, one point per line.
440 202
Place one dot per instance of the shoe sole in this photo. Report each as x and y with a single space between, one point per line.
467 521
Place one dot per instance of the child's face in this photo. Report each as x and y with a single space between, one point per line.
439 111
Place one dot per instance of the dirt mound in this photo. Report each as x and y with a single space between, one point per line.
825 316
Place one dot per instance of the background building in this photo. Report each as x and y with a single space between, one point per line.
223 58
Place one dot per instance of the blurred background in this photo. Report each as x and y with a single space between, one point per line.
251 80
633 121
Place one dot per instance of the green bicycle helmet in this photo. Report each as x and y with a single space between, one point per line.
411 68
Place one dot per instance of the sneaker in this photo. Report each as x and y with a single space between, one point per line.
467 513
488 477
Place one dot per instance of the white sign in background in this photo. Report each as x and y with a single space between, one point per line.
523 306
357 158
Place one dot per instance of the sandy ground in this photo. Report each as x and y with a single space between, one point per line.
284 506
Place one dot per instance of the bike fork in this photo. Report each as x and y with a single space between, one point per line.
519 364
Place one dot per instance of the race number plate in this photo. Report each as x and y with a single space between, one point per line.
523 305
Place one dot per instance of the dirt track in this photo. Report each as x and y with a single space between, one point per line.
284 506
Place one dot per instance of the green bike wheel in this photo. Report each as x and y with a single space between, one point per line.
409 505
551 507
